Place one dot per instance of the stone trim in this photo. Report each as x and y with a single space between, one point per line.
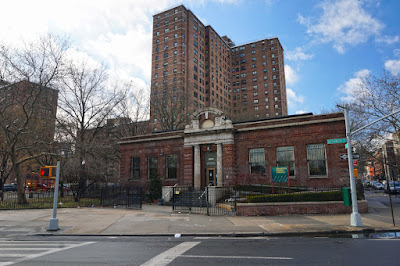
291 124
150 139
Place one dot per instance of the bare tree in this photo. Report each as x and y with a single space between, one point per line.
169 112
30 71
375 97
86 102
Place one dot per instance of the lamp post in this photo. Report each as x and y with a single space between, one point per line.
355 218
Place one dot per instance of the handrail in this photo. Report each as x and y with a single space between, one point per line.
202 194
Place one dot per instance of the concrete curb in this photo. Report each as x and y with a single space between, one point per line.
238 235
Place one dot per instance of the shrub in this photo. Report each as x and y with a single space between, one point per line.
298 197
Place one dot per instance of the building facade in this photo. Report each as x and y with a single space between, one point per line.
214 151
194 67
28 116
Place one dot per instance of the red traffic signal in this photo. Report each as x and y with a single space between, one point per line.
44 171
48 171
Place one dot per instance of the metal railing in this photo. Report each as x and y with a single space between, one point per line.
130 197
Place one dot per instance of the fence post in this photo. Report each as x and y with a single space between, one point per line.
208 209
173 198
235 202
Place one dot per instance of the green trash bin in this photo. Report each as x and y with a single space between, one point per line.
346 191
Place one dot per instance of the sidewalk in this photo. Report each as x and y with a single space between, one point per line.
160 220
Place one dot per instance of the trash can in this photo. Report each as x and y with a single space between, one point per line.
346 191
160 201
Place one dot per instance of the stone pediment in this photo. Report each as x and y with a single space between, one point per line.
208 119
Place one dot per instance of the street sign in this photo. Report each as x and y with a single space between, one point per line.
344 156
355 162
336 141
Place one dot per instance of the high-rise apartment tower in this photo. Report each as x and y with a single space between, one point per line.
194 67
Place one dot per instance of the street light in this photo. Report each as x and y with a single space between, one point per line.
355 218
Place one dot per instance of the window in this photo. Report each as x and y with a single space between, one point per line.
255 101
257 160
285 157
171 167
316 159
135 168
152 167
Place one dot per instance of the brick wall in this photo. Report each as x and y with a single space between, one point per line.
269 209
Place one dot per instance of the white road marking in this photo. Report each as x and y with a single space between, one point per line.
166 257
235 238
235 257
32 256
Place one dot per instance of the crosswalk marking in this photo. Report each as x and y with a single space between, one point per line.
52 247
166 257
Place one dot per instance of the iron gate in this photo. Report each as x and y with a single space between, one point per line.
210 201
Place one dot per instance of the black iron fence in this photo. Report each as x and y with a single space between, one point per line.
93 196
223 200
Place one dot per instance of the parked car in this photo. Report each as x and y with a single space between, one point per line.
394 187
379 186
10 187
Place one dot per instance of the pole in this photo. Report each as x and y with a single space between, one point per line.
355 218
388 186
53 226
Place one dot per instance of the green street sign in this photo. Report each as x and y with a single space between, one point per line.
336 141
279 174
345 146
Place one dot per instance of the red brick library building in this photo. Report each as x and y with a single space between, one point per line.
214 151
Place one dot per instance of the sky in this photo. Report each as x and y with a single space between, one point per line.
329 45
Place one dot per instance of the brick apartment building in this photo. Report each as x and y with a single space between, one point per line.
194 67
222 113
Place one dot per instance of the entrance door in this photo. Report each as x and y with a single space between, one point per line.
211 178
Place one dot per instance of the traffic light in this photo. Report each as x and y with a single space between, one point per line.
48 171
44 171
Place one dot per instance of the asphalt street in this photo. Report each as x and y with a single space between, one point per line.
59 250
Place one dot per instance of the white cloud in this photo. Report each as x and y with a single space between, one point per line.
297 54
299 112
388 39
393 66
290 75
350 87
293 98
396 53
343 23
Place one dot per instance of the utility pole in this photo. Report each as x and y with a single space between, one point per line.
355 218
